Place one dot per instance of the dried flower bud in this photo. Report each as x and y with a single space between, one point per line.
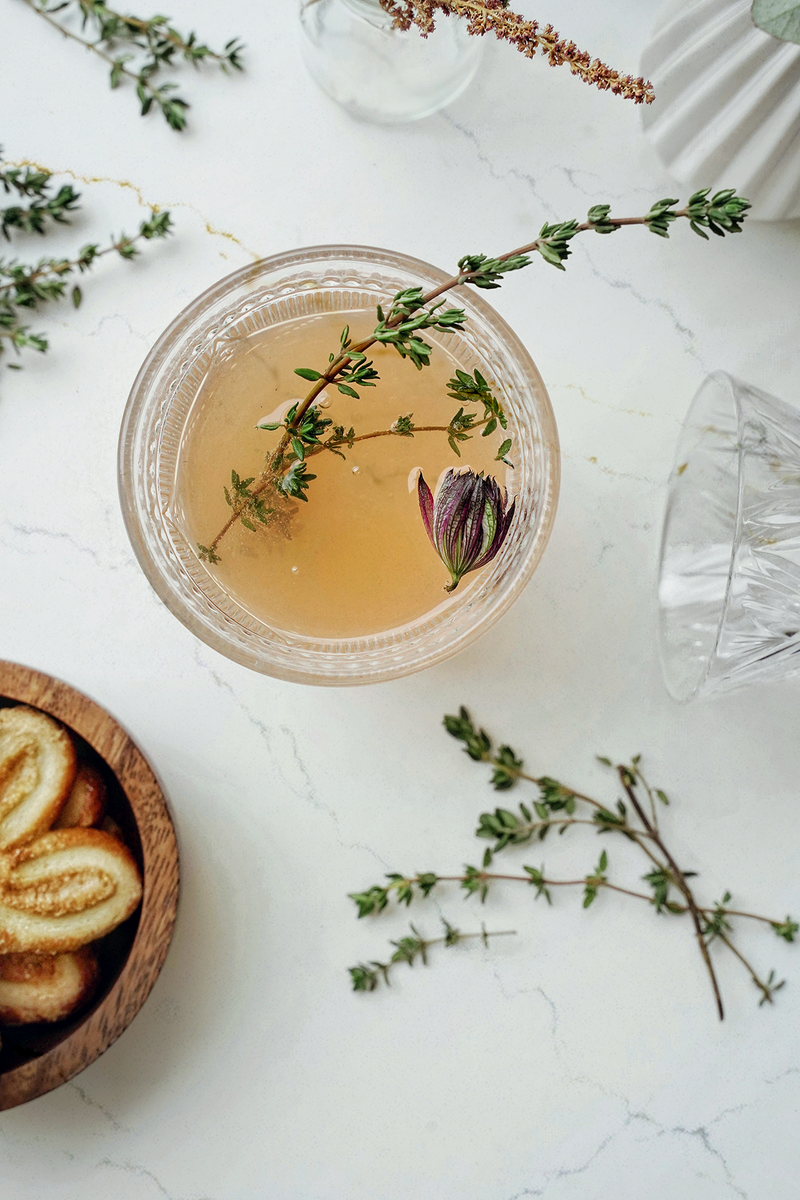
468 521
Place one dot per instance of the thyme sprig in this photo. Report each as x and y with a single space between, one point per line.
555 809
41 204
529 37
412 312
365 977
28 286
150 45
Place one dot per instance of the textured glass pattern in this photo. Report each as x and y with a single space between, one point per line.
729 580
324 279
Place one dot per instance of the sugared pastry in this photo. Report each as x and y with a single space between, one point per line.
65 889
86 803
37 770
45 987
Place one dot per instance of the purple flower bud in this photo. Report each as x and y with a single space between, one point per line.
468 521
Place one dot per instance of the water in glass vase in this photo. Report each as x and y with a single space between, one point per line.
355 559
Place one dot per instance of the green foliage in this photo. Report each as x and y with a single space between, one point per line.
460 430
477 743
373 900
555 797
42 204
661 216
505 828
502 453
296 480
486 272
595 880
768 988
607 820
340 437
249 504
556 806
597 217
365 977
659 880
506 769
412 312
376 898
149 47
781 18
355 371
306 431
407 317
723 213
553 243
539 882
26 286
473 389
403 888
404 426
474 880
717 923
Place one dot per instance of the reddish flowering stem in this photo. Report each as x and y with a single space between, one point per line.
529 37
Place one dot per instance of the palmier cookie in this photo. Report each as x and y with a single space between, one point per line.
37 770
86 803
45 987
65 889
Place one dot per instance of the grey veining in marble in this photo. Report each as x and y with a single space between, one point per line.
581 1058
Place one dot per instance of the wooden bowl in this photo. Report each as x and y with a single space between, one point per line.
35 1059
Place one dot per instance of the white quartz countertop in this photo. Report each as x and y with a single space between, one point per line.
582 1058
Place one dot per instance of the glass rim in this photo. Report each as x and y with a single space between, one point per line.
364 663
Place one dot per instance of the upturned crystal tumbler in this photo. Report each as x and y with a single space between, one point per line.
729 577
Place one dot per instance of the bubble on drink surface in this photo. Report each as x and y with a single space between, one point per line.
356 470
277 414
295 570
323 400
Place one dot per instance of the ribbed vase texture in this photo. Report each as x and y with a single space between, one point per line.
727 107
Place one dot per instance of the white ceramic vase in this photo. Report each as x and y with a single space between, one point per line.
727 108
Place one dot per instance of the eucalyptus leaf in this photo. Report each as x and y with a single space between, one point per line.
780 18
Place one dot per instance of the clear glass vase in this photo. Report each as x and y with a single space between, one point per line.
380 73
729 579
